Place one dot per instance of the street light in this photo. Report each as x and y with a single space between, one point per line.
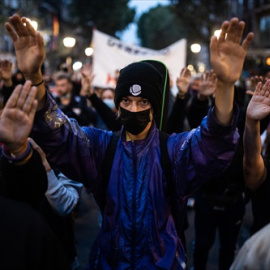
33 23
217 33
77 65
89 51
69 42
195 48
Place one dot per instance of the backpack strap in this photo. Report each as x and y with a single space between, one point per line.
107 167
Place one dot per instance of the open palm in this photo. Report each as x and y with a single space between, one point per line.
208 83
259 105
227 52
17 116
183 81
28 44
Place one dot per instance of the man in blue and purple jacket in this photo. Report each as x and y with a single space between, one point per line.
138 230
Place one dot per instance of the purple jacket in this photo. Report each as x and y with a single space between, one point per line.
138 230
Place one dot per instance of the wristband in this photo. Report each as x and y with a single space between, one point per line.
12 158
38 83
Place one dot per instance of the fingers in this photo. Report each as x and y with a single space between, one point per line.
11 32
18 26
29 27
23 97
33 109
223 33
239 32
29 100
214 47
263 90
37 148
185 72
231 31
247 40
34 145
258 89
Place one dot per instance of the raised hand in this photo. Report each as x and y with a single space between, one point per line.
259 105
87 78
228 53
208 84
28 44
254 81
17 118
183 81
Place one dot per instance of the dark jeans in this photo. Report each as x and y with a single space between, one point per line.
208 219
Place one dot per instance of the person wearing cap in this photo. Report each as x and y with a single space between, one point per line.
138 230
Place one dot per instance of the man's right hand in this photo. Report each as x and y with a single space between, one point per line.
259 105
28 46
30 53
183 81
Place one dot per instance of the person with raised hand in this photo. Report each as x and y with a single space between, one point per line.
138 229
183 82
29 45
176 118
256 168
258 108
227 59
17 119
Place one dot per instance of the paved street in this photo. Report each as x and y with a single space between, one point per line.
86 228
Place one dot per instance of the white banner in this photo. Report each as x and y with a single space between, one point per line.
110 55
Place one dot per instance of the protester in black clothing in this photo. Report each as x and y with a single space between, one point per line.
219 204
107 115
176 118
74 106
254 254
27 241
16 183
256 168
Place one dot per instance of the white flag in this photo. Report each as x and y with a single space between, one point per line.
110 55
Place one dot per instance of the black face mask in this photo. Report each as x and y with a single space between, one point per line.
134 122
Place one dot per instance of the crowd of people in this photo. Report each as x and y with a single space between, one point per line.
141 152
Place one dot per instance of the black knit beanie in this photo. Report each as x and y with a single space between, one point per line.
140 79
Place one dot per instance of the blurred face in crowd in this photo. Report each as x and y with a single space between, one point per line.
107 97
63 87
107 94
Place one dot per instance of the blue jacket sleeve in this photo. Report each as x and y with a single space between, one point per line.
76 151
203 153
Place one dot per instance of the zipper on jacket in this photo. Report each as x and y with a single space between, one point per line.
133 238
